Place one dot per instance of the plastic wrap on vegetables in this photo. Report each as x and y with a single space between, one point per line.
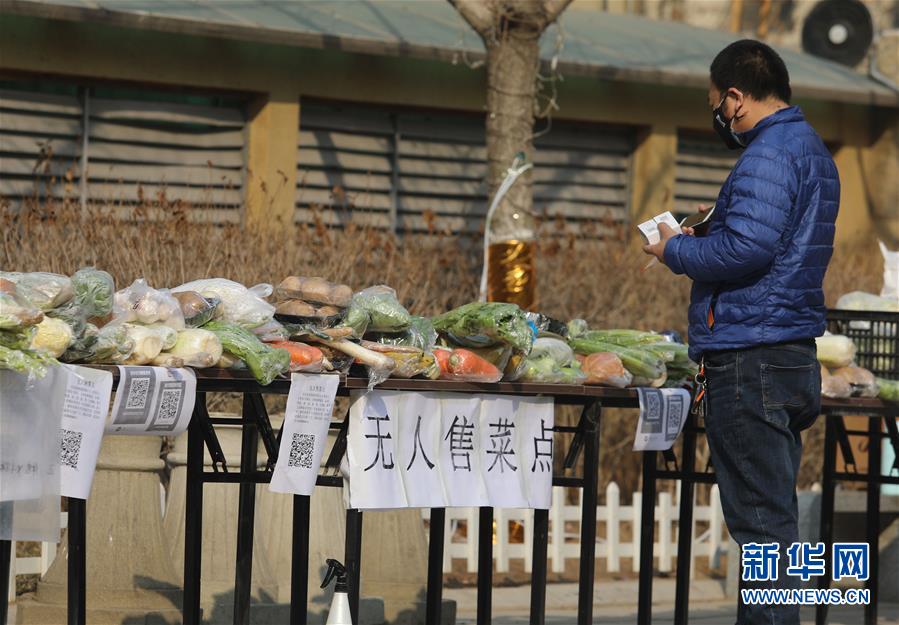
94 292
44 290
861 381
420 334
834 387
196 309
113 346
264 362
835 350
641 363
147 344
859 300
197 348
379 365
889 389
555 349
376 309
465 366
271 332
31 363
576 328
605 369
481 324
314 291
53 337
140 303
546 370
16 312
303 358
240 305
84 346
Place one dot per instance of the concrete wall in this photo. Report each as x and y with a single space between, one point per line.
276 77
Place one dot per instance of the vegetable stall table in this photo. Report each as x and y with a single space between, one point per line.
255 426
882 417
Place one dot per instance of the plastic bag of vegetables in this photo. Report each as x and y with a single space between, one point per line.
140 303
264 362
546 370
481 324
835 350
196 348
44 290
642 363
861 381
33 364
605 369
196 309
94 292
556 349
304 358
240 305
465 366
314 291
16 312
889 389
376 309
834 387
420 334
53 337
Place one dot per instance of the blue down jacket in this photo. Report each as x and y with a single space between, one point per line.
761 266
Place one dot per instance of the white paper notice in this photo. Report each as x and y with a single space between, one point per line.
153 400
83 419
460 451
663 412
310 405
372 453
419 444
502 458
535 425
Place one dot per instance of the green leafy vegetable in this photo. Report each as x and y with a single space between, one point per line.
376 309
264 362
480 324
94 291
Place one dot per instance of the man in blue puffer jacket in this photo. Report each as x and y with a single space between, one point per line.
756 307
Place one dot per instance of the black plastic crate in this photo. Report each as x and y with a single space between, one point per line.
875 334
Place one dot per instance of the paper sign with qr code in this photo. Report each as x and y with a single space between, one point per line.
153 400
81 432
304 433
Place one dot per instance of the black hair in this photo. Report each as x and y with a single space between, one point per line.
752 67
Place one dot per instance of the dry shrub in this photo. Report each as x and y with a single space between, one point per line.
599 280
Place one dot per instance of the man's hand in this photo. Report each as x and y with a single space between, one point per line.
666 233
702 209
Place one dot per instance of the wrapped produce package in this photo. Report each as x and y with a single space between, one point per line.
889 389
835 350
376 309
606 369
197 348
44 290
264 362
481 324
53 337
16 311
861 381
833 386
141 303
240 305
465 366
94 292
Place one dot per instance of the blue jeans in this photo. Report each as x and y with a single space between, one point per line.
759 400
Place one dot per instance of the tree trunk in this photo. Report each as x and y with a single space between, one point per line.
512 63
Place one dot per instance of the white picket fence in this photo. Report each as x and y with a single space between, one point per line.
564 535
460 541
33 565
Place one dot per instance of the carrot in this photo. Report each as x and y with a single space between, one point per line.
301 355
443 356
465 364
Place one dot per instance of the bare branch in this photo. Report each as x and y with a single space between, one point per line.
553 8
478 14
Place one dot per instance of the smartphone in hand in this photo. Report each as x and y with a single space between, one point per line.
699 222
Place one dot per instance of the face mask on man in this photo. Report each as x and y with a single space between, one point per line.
724 127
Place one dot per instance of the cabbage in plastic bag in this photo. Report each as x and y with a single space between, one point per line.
42 289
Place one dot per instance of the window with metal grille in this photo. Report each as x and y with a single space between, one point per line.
703 164
135 146
414 170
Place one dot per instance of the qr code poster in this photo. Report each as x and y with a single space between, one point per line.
310 405
663 412
153 400
81 432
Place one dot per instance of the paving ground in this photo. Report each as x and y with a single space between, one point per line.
615 603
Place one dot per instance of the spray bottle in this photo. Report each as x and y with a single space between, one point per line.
339 614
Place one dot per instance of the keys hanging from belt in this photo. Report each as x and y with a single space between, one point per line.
700 393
